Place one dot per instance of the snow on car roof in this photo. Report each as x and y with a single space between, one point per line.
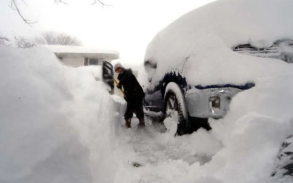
200 44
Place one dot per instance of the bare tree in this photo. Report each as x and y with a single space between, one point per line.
14 6
4 40
53 38
99 1
19 42
22 42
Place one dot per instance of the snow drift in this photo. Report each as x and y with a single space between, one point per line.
55 122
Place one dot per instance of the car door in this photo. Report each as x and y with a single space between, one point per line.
107 74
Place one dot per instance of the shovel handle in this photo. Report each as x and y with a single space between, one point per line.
117 85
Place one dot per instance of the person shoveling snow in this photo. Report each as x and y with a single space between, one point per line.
133 94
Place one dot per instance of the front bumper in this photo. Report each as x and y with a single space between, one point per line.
209 103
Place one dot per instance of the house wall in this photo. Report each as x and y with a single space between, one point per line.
76 61
73 61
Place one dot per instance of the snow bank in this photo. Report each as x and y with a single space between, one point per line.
96 71
253 130
59 124
199 44
56 122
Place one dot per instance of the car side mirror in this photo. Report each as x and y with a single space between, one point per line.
150 68
150 65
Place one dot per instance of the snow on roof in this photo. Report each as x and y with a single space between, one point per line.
200 43
61 50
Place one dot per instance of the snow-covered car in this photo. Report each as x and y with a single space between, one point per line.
103 73
199 62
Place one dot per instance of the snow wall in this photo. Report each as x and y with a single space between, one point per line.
56 123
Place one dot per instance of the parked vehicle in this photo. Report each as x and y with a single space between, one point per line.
108 75
202 102
190 101
199 62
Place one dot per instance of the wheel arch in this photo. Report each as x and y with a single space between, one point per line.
173 77
177 91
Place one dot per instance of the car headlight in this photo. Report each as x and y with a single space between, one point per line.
215 102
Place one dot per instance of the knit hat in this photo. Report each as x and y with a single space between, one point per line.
118 65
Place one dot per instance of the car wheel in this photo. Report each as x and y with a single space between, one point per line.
174 101
284 162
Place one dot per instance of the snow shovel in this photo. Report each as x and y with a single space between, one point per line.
117 85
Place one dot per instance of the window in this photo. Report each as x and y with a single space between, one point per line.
281 49
92 61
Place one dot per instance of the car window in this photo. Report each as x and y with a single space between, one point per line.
281 49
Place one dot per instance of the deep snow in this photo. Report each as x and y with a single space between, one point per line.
56 122
242 147
59 124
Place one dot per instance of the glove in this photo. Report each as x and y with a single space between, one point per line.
119 86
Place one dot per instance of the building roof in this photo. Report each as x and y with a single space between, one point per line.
83 51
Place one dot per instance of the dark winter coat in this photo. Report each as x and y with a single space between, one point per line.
131 87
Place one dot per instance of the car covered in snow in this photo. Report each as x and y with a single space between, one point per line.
199 62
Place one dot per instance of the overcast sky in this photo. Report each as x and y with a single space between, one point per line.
126 26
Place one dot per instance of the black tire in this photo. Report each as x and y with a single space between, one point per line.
175 101
284 162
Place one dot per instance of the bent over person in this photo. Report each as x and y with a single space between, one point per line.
133 94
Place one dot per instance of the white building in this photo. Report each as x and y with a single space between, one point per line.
76 56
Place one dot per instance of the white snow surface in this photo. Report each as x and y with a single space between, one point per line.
199 44
59 125
95 70
56 122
